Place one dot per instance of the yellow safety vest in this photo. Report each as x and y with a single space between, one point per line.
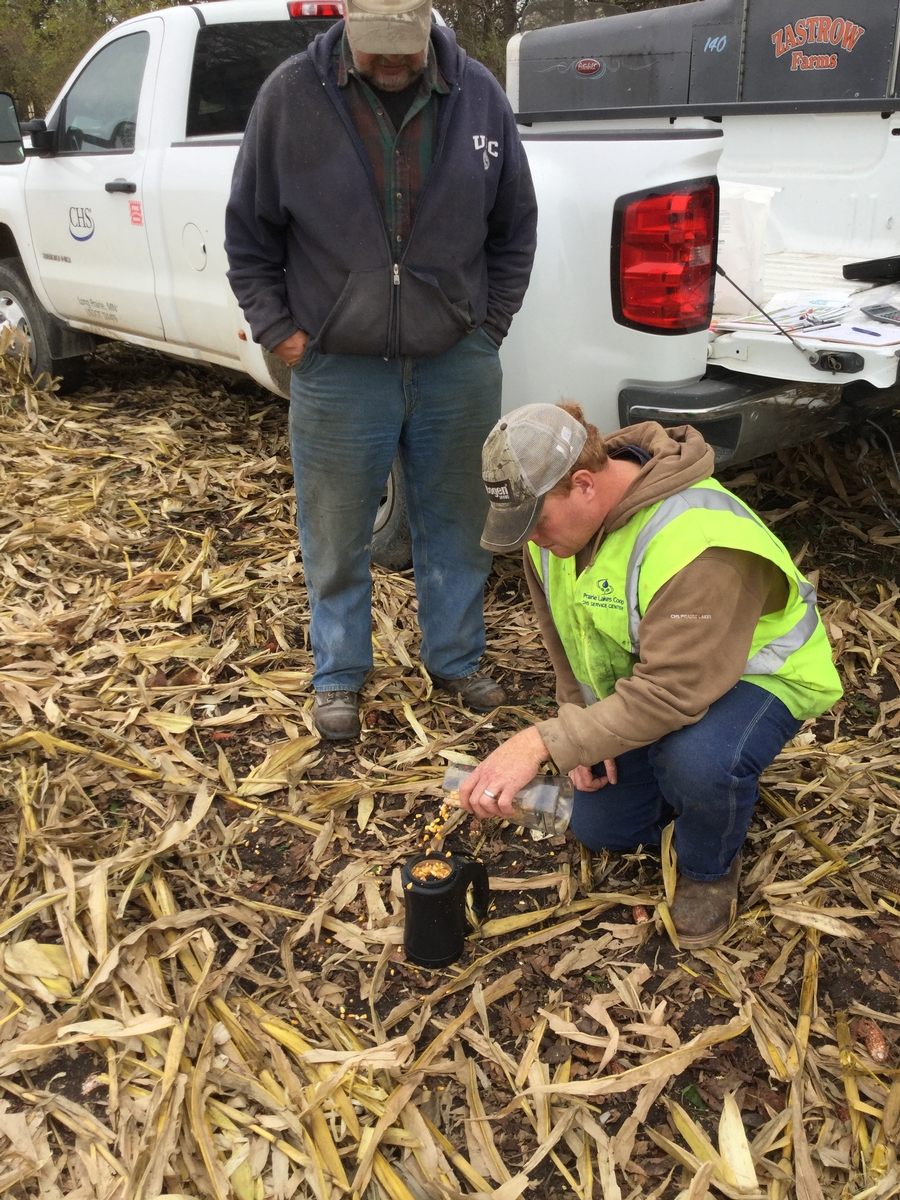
597 613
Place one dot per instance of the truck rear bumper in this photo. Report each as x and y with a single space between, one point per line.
748 415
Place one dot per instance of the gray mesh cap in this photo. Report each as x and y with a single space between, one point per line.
388 26
524 456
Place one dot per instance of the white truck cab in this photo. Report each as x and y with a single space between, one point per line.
640 129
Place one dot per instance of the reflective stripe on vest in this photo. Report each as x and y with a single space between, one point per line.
768 659
587 693
545 574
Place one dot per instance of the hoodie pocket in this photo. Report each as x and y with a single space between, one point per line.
360 319
430 322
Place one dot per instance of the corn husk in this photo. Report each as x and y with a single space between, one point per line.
178 1020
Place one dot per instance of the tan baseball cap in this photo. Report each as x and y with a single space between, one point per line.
388 26
524 456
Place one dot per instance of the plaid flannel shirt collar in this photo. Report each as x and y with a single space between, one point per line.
432 80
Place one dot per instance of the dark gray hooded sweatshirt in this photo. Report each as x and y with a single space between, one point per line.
307 243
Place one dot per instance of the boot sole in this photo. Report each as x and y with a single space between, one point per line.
703 942
481 709
338 737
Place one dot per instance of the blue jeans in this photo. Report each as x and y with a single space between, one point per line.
350 415
706 776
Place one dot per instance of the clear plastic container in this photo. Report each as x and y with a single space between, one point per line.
545 804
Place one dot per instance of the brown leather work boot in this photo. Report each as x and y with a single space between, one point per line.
702 912
336 715
477 691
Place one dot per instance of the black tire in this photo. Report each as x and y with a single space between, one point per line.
20 306
391 540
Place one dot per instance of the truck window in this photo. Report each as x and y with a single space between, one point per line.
231 63
100 112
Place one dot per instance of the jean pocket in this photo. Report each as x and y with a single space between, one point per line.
489 341
304 359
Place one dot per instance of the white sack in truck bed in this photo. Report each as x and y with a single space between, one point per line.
743 216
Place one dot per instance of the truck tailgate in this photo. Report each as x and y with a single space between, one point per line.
579 173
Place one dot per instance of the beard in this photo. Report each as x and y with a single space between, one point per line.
394 81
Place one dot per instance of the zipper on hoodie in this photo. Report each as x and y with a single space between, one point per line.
393 338
393 346
394 315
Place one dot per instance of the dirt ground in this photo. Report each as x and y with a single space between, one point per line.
203 990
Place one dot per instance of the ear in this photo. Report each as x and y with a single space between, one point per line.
584 482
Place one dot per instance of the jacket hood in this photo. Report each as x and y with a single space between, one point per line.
450 56
680 457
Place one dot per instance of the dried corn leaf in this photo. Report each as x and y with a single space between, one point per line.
205 954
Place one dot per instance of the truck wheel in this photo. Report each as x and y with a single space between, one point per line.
22 309
391 539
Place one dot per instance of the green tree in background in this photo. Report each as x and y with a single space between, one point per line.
42 40
483 27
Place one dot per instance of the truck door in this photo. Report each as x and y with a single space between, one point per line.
231 60
84 202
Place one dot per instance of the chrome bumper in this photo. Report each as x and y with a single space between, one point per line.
743 416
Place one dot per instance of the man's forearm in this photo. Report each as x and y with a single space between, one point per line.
260 291
256 242
508 276
512 238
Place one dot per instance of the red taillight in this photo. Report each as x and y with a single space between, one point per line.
664 258
315 8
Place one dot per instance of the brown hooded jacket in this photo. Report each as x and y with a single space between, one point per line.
695 635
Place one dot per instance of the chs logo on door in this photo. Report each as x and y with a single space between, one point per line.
839 32
81 223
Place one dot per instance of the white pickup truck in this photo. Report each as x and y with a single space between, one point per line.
112 212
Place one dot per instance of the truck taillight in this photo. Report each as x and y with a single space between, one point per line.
664 257
316 8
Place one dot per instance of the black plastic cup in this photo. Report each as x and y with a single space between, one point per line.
435 931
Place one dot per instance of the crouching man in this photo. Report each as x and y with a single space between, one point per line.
687 646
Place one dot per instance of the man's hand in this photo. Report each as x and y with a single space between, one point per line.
291 349
489 790
584 779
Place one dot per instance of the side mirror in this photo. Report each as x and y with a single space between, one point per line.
43 140
11 149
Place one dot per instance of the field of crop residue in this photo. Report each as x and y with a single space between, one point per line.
203 991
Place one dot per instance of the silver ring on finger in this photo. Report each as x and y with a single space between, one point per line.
491 794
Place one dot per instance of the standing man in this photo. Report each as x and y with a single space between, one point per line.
380 235
687 646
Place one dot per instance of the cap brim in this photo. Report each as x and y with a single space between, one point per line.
507 528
